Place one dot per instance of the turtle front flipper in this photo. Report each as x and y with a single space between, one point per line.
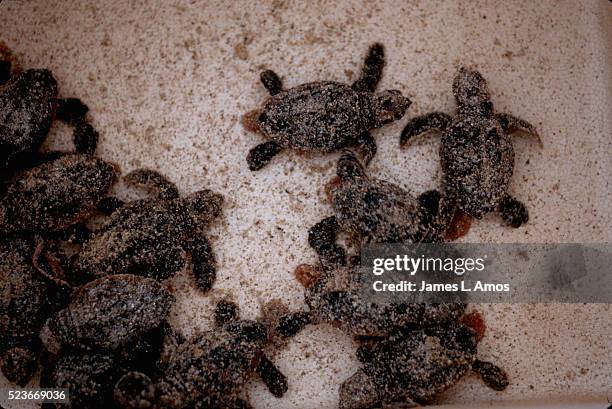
291 324
262 154
271 81
372 69
513 212
434 121
154 181
73 112
204 263
511 123
322 238
275 380
368 146
85 138
492 375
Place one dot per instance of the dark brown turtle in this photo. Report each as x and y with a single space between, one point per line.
56 195
91 376
416 365
148 237
28 105
325 116
208 370
375 211
107 314
27 299
476 153
336 296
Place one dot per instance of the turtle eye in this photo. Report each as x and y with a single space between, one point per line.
262 117
387 103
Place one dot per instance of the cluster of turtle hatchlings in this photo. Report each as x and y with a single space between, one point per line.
89 305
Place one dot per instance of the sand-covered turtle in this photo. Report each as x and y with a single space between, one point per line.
416 365
27 106
336 295
149 237
476 153
29 103
324 116
375 211
107 314
56 195
208 370
90 376
27 299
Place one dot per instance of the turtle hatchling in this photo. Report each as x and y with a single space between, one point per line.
27 300
415 366
476 153
149 237
375 211
107 314
56 195
324 116
209 370
336 296
28 105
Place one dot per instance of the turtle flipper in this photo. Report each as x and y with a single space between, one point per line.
372 69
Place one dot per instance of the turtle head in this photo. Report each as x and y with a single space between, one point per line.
135 390
205 204
349 167
471 91
388 106
19 364
359 391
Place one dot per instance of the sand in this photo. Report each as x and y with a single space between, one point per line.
167 83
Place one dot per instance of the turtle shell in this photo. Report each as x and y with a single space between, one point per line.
27 106
319 116
478 161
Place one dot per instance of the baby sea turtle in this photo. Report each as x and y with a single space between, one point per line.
27 108
375 211
148 237
27 300
325 116
90 376
337 296
476 153
416 365
107 314
28 105
56 195
208 370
